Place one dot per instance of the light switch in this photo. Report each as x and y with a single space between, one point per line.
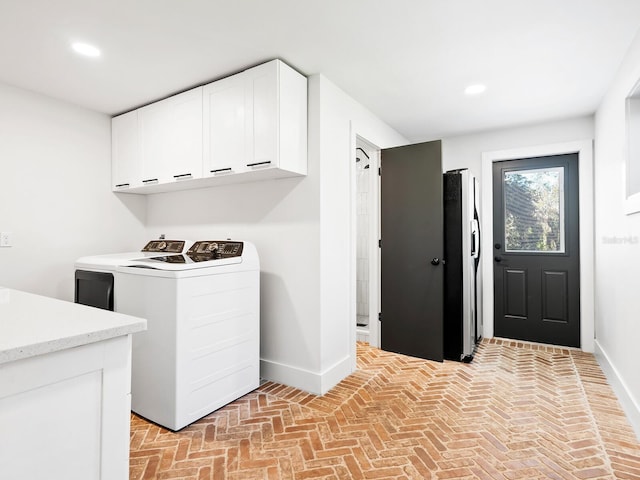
6 239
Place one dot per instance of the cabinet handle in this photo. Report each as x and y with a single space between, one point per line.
122 185
150 180
222 170
183 176
259 164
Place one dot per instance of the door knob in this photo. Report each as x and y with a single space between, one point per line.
497 258
435 261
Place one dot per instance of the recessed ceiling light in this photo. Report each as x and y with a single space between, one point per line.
85 49
475 89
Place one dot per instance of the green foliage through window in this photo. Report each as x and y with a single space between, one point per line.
533 203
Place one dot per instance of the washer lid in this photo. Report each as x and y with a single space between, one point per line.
182 262
110 261
153 248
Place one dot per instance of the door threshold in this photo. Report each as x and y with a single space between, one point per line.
531 345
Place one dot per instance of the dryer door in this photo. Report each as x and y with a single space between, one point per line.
94 289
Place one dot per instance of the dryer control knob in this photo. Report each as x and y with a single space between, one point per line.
162 245
212 247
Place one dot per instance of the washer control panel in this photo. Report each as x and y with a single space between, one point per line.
215 249
170 246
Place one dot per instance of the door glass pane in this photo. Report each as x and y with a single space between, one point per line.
534 210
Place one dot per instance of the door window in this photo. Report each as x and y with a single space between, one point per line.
534 210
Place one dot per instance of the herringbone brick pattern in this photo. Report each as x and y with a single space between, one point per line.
518 411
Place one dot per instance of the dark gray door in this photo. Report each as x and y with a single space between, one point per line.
537 250
412 233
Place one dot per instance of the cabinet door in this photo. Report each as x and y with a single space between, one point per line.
125 155
154 143
292 120
262 128
185 135
171 138
224 120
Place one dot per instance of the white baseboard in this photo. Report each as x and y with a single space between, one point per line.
312 382
628 403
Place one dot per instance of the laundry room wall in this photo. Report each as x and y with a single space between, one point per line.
55 194
465 151
299 226
341 120
617 242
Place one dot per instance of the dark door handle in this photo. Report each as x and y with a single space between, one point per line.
497 258
435 261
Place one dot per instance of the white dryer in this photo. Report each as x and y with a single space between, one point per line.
94 277
201 349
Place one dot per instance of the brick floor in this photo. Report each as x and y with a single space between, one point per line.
518 411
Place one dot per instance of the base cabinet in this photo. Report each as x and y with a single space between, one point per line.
249 126
66 415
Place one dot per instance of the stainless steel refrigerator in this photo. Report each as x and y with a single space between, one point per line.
462 328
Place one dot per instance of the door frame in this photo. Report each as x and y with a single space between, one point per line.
373 234
356 135
584 149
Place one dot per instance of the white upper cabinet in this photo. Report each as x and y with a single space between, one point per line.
256 120
249 126
262 131
185 135
153 130
125 157
158 144
225 112
171 138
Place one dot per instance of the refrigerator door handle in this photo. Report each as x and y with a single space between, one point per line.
475 240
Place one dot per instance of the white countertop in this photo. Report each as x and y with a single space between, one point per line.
33 325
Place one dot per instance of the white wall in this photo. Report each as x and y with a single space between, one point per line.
536 140
55 195
301 229
617 241
466 151
341 119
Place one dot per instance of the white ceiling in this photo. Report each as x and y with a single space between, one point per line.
408 61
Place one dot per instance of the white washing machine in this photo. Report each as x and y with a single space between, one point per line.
94 277
201 349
